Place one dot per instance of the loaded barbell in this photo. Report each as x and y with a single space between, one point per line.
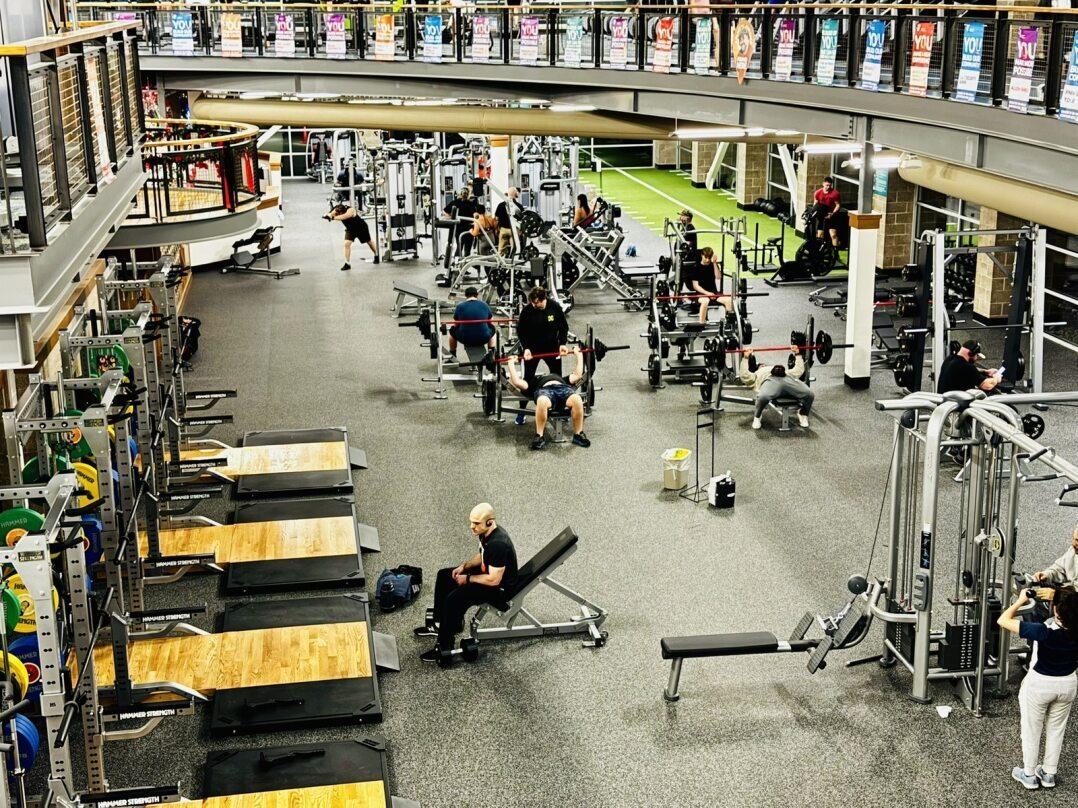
822 350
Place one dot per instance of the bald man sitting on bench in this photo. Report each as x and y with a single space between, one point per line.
484 578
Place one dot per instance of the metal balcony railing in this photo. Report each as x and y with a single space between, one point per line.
77 120
196 169
1017 57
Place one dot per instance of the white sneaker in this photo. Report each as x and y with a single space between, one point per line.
803 420
757 423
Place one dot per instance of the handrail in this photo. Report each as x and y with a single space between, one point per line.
55 41
243 132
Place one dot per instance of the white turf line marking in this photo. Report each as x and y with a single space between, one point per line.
669 198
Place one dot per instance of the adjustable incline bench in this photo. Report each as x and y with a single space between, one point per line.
516 622
842 630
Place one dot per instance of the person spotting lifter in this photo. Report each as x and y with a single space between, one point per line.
1048 690
487 577
551 392
471 334
541 329
355 229
773 381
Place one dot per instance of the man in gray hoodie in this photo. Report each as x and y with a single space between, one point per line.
773 381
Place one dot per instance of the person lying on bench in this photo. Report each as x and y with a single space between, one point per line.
772 381
471 335
554 392
707 281
485 578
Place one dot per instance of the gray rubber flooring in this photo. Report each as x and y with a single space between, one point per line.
547 722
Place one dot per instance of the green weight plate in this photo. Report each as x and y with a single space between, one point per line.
101 360
31 474
12 609
72 444
17 522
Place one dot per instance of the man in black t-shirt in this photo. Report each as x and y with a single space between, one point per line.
541 329
504 213
462 209
960 372
355 229
690 250
488 577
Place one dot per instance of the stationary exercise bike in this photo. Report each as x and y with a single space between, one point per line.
817 256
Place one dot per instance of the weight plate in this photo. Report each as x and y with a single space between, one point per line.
18 675
26 649
12 609
72 443
27 623
490 395
102 360
1020 366
664 349
746 332
17 522
1033 425
653 337
824 349
30 472
88 479
654 371
954 346
28 740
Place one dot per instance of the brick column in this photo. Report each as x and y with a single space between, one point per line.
897 209
664 153
750 172
703 154
810 173
992 284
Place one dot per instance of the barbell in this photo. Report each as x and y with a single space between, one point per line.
822 350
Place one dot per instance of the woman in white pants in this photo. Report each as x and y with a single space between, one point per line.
1049 689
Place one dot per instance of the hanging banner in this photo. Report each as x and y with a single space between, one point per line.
124 16
870 65
481 38
336 46
1068 99
969 74
784 57
1025 53
529 40
574 41
384 45
231 34
664 45
825 65
744 46
619 42
924 35
183 33
432 38
284 44
97 120
701 56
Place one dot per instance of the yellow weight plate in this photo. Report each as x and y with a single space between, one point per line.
19 675
28 619
88 478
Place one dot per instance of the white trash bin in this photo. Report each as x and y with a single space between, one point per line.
676 468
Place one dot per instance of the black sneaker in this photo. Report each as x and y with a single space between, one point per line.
426 631
433 655
539 443
377 260
580 439
346 267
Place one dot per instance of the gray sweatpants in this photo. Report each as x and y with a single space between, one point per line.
786 387
1045 703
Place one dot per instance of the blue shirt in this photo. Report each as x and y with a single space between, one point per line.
1057 653
479 333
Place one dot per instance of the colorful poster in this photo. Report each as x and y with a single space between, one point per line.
701 55
664 45
336 46
744 46
284 44
825 65
969 73
619 42
183 33
432 38
529 40
123 16
481 26
1025 53
784 56
231 34
384 38
97 121
1068 99
873 59
924 35
574 41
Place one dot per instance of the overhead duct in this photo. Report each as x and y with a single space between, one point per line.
1022 200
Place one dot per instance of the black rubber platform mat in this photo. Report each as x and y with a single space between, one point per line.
250 771
320 611
299 705
291 574
279 511
294 484
272 437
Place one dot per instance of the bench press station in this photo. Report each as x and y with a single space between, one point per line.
516 622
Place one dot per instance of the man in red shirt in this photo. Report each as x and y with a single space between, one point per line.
827 197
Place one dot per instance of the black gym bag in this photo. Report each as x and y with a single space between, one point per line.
190 331
398 587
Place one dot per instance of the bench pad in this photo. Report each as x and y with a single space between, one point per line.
708 645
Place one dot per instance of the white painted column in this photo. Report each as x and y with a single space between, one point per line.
864 230
500 168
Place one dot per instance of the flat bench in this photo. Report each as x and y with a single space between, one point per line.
787 408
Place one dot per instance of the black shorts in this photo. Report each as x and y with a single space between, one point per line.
358 231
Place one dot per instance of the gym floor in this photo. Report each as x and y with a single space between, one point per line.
546 722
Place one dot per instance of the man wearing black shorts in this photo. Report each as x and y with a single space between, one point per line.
355 229
485 578
553 392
